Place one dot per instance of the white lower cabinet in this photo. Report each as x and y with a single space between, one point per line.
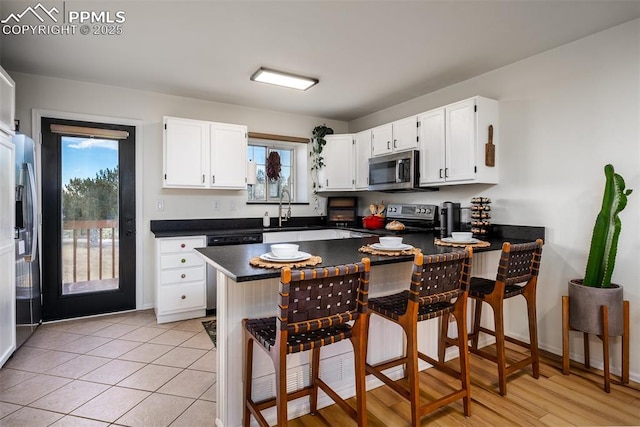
181 282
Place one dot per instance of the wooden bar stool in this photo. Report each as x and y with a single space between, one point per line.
438 287
315 306
517 275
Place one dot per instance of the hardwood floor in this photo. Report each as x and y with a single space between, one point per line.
552 400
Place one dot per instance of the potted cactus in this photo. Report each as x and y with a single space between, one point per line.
587 295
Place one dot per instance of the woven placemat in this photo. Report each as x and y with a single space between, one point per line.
258 262
480 244
369 250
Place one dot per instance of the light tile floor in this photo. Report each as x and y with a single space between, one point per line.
116 370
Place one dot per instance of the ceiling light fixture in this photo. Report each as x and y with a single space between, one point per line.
279 78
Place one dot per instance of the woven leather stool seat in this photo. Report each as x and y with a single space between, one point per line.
479 287
517 275
393 306
265 332
438 287
315 309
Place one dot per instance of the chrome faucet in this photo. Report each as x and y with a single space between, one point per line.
288 214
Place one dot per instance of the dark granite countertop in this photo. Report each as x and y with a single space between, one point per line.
234 260
227 226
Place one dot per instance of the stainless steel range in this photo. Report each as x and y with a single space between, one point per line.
416 218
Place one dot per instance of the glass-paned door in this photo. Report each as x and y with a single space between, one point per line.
88 218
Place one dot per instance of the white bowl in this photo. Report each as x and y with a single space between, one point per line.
462 236
390 242
284 250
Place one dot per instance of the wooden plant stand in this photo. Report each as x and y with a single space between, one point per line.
605 342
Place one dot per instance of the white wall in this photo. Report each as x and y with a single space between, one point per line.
37 92
564 114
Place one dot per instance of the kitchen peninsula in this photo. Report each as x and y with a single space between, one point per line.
244 291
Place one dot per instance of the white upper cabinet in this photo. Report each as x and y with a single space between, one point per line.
228 156
186 146
432 146
362 155
405 134
200 154
381 137
401 135
452 143
338 172
7 102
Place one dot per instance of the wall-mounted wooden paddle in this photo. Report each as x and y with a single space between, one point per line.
490 150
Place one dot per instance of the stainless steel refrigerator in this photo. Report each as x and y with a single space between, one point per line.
28 292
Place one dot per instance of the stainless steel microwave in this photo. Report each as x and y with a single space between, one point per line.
394 172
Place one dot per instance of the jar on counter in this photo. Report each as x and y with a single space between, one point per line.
266 221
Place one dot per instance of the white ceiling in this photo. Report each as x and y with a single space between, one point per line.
368 55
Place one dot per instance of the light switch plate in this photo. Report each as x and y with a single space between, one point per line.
159 205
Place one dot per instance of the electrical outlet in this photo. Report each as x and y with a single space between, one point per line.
159 205
217 204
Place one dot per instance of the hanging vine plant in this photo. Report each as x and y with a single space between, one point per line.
317 160
273 166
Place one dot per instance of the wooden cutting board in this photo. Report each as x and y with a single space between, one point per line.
490 150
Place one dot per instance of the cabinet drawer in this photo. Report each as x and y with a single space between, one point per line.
181 297
182 275
181 245
180 260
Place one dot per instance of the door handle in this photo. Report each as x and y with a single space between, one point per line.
129 233
395 143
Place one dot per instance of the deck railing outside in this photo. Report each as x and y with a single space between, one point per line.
102 235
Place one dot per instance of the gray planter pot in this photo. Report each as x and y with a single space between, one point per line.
585 313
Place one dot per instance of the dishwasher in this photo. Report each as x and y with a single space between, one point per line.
226 239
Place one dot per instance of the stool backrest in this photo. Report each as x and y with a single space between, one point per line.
519 262
311 299
442 273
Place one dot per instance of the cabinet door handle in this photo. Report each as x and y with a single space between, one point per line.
388 145
183 297
395 143
183 260
203 178
441 173
182 276
446 172
183 245
213 179
327 183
